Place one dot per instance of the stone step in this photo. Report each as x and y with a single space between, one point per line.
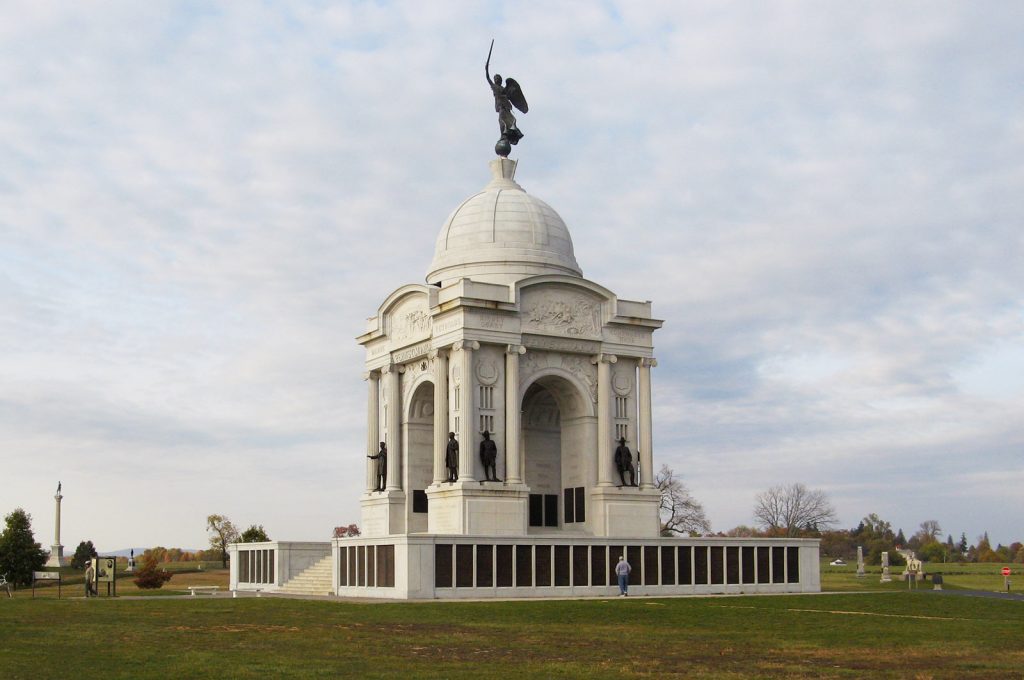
315 580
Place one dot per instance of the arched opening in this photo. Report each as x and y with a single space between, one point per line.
419 448
557 435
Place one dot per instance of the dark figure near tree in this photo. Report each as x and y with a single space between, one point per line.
489 457
624 462
382 466
506 96
451 457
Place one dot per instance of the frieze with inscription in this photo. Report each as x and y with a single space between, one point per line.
561 344
413 352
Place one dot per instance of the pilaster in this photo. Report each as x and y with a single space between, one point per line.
372 425
604 418
645 443
393 438
513 412
467 458
439 358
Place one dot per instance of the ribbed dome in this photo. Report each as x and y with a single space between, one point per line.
501 235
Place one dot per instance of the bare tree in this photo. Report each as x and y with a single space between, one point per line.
793 509
680 512
929 531
223 533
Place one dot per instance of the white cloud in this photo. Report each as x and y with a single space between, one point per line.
199 207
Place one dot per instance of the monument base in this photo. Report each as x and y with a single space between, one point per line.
57 558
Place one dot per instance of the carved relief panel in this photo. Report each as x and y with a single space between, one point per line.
409 320
560 311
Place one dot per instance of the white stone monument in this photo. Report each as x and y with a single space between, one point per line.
508 337
57 558
860 561
886 576
506 345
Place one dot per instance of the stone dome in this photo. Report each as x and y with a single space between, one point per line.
502 234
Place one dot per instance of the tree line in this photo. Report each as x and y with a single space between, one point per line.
793 510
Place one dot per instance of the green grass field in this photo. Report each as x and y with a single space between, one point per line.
885 634
956 576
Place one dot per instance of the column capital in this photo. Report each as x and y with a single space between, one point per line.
647 363
603 359
465 344
392 368
371 375
515 349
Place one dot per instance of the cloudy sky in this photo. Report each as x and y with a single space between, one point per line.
201 203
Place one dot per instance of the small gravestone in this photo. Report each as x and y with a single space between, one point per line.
886 577
860 561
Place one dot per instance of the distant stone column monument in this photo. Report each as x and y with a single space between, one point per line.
860 561
886 577
57 558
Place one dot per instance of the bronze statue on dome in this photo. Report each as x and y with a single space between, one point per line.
506 95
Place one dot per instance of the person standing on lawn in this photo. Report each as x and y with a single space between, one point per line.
622 570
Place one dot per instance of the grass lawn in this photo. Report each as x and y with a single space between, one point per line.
956 576
851 635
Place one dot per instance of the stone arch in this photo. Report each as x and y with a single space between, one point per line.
418 445
558 435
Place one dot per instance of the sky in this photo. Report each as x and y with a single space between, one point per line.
201 203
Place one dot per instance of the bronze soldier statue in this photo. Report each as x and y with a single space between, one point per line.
382 466
624 462
489 457
451 457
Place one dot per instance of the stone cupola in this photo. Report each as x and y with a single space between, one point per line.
502 235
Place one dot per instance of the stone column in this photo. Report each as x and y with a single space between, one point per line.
372 426
513 412
56 558
467 448
440 364
646 443
604 417
393 395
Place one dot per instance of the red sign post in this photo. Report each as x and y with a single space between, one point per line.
1006 571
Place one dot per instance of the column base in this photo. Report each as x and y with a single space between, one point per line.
477 508
383 513
627 512
57 558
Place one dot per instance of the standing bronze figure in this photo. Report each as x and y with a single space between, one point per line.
382 466
451 457
489 457
624 462
506 96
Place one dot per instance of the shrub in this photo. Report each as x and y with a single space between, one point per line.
149 577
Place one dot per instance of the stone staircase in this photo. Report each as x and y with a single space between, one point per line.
315 580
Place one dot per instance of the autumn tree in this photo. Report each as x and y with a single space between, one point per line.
680 512
83 553
20 555
254 534
794 509
222 534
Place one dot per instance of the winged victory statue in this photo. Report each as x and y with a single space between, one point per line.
506 95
